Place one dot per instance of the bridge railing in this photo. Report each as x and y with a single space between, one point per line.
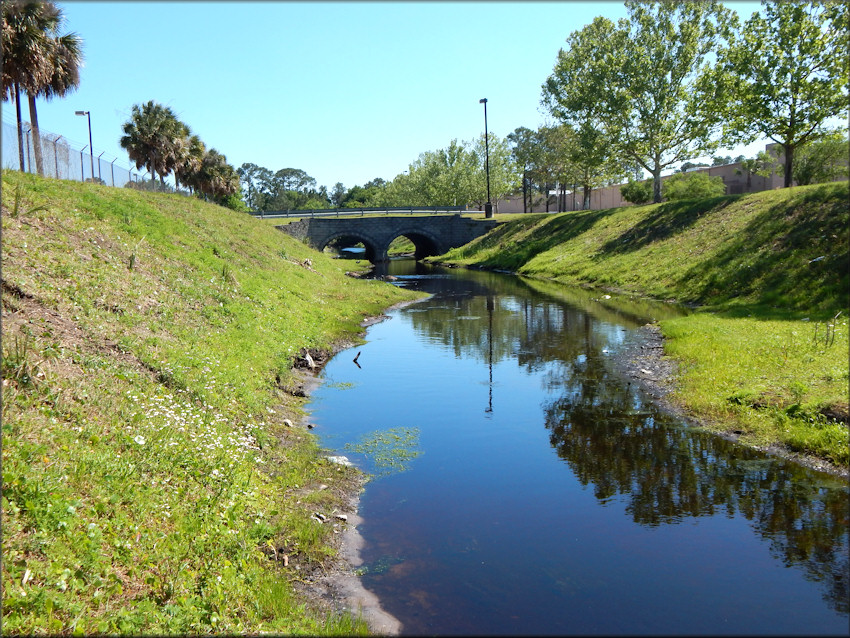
361 212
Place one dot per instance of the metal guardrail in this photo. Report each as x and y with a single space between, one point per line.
350 212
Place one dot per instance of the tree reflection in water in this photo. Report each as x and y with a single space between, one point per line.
618 442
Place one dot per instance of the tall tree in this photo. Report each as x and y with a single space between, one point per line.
555 167
217 179
571 95
65 54
504 175
249 175
786 76
526 152
189 160
640 82
151 137
337 194
38 60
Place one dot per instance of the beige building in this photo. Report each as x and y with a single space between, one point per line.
733 175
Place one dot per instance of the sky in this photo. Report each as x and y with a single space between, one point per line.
346 91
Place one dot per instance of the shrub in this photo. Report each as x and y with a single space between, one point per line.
698 185
821 161
637 192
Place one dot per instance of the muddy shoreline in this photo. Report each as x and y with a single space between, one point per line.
338 586
645 364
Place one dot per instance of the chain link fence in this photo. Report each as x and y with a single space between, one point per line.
61 160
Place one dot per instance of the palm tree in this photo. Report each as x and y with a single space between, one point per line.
151 138
216 178
66 59
189 161
25 62
38 60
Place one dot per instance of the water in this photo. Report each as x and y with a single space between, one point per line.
550 496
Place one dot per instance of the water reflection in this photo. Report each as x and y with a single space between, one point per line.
468 501
618 445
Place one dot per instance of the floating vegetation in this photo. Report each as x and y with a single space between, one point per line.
390 451
342 385
380 566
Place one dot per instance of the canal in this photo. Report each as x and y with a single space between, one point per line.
523 485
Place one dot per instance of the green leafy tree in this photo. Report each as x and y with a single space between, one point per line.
504 176
251 177
786 76
571 95
285 189
526 152
556 168
369 195
445 177
823 161
696 185
641 77
37 59
337 194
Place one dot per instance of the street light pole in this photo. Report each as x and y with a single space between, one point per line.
91 147
488 207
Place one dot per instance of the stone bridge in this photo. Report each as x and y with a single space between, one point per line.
431 235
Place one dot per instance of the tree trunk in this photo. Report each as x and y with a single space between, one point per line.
20 125
524 192
656 184
789 159
36 135
585 204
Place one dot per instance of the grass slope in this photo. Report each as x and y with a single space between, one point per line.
767 355
148 342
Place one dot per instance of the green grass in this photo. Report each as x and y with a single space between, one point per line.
148 341
772 381
766 270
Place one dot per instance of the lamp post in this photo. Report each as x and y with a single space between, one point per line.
488 207
91 146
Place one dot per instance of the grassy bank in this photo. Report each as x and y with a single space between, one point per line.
149 472
765 357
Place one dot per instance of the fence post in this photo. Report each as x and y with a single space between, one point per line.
56 155
113 171
82 174
29 163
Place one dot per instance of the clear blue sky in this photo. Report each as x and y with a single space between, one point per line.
346 91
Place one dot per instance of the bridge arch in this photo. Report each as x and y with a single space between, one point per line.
425 243
373 251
